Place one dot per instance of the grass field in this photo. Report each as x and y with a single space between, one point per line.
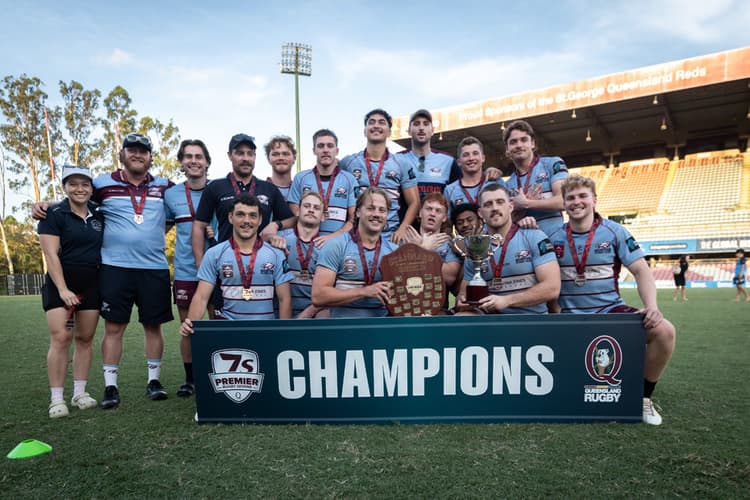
154 449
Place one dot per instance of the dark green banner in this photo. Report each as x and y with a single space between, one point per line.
432 369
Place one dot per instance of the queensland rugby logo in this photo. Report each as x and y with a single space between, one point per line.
235 373
604 360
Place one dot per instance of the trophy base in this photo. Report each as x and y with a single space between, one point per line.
475 293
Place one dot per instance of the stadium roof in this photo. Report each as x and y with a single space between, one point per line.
698 104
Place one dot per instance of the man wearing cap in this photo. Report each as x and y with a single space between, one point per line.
281 155
376 167
220 194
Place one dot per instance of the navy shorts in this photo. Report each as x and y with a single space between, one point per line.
149 289
81 280
738 281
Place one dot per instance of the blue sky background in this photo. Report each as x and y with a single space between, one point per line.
213 67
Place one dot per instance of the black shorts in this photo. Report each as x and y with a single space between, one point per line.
81 280
149 289
679 280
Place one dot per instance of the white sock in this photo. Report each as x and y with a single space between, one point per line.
79 387
154 369
110 374
56 394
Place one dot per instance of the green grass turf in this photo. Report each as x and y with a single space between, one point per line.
154 449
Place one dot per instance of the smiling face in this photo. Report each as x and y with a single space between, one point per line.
471 159
579 203
78 189
495 208
468 223
194 163
373 213
281 158
377 129
136 159
520 147
245 220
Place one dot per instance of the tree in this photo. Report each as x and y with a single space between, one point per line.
24 246
119 121
22 102
79 112
3 234
165 140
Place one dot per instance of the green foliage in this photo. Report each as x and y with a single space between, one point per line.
155 448
79 111
119 120
23 244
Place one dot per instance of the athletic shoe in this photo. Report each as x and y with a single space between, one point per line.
58 409
155 391
650 415
83 401
186 390
111 398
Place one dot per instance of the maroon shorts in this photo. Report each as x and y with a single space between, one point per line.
183 292
623 309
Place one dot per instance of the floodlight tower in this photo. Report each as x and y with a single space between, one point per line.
296 59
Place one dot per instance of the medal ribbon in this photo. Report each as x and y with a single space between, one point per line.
466 193
374 180
236 186
189 201
247 276
581 265
304 259
497 269
368 273
528 178
132 190
327 197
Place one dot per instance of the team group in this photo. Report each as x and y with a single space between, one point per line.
310 246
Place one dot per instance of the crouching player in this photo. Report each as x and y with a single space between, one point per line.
591 251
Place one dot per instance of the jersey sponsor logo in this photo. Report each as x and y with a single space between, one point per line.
411 174
545 247
603 362
340 193
459 201
632 244
435 171
603 247
392 174
559 248
357 173
523 256
236 373
263 199
543 176
155 192
558 167
267 268
350 265
306 189
227 271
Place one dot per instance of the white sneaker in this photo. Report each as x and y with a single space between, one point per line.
650 415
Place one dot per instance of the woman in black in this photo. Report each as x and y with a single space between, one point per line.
679 270
71 239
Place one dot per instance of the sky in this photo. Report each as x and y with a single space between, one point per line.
213 67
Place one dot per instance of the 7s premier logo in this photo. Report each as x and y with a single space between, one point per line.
236 373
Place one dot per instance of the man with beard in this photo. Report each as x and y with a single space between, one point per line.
347 275
337 188
536 180
591 251
220 194
250 272
376 167
525 255
281 155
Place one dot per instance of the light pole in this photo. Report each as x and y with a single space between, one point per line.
296 59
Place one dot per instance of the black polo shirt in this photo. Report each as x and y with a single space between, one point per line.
219 195
80 240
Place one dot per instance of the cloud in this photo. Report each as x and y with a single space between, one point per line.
117 58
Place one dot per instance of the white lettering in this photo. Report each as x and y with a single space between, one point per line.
425 364
474 371
355 376
541 383
290 388
318 374
504 370
449 371
387 376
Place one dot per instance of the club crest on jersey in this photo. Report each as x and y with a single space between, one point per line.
340 193
603 247
523 256
559 249
543 176
155 192
306 189
459 201
435 171
227 271
96 225
357 173
603 362
392 174
263 199
236 373
267 268
350 265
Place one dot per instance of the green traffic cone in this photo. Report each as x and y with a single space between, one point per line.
29 448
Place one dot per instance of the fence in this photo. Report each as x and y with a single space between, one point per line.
21 284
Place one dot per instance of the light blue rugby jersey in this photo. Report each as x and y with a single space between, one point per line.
301 288
440 169
178 211
527 250
341 255
546 171
612 247
456 196
269 271
127 244
395 177
342 196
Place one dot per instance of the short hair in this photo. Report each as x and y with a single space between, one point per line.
324 132
379 111
193 142
521 125
246 199
279 139
369 192
488 188
314 194
464 207
578 181
437 198
468 141
739 250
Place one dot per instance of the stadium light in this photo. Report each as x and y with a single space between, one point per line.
502 125
440 137
588 135
296 59
748 113
663 124
656 100
573 114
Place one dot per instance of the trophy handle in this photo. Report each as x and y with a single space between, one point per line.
454 246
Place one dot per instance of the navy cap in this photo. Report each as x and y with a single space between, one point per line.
238 139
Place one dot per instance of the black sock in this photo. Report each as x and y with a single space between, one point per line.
648 388
188 372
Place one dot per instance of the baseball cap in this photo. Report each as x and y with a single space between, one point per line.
69 170
423 113
238 139
137 140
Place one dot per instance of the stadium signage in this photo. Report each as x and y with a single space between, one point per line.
430 369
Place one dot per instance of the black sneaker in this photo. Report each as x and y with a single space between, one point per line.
155 391
186 390
111 398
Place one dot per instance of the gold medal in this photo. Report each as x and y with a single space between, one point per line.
138 218
247 294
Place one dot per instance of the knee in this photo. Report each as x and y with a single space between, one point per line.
664 334
60 339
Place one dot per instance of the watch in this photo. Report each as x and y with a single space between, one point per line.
279 225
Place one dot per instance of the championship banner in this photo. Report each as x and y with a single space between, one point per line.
490 368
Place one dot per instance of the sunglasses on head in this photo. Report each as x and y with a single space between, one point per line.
138 139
